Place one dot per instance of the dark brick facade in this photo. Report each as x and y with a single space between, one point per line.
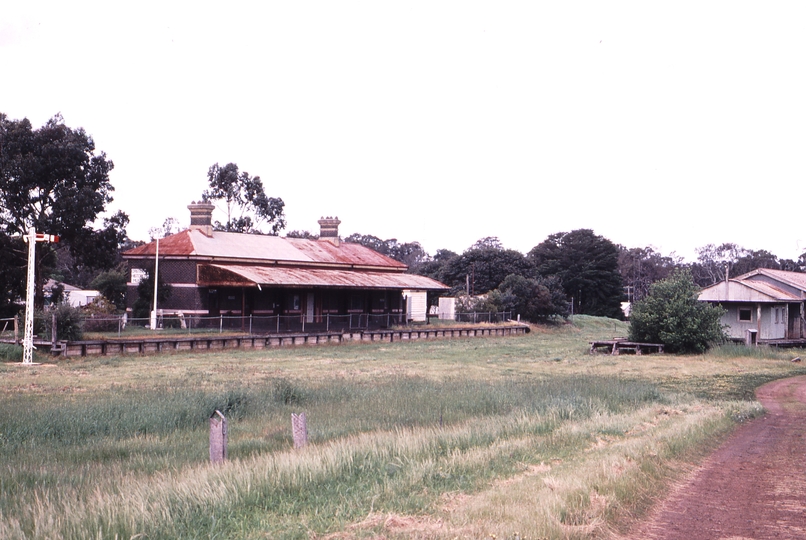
189 298
181 275
178 271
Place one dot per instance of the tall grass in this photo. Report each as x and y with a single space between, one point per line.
10 353
736 350
402 469
338 408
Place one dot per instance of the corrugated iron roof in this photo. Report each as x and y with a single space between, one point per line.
794 279
238 246
217 275
771 290
746 291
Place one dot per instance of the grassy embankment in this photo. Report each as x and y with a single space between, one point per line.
526 437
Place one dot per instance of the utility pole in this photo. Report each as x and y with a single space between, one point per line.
156 285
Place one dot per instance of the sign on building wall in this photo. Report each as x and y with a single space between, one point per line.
138 275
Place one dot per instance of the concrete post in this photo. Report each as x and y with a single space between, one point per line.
299 428
218 437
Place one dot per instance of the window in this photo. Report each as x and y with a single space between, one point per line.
745 315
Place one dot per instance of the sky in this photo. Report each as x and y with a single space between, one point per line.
663 124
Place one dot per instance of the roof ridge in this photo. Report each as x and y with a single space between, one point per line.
785 276
232 246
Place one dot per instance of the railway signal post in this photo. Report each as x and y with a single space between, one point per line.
28 340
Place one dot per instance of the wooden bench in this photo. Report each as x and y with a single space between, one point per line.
616 346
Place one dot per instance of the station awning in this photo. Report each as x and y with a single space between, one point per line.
215 275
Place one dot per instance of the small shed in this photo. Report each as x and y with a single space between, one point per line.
71 294
416 305
79 297
447 308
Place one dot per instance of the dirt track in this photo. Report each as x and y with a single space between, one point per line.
753 486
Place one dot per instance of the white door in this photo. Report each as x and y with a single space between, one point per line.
309 309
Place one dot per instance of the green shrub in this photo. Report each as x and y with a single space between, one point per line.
69 322
145 296
287 393
672 315
112 285
10 353
100 316
171 322
536 299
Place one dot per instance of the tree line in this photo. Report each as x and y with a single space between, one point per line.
54 179
577 271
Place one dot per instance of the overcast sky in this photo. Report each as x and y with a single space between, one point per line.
671 125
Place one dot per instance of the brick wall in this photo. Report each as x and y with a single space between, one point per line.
175 273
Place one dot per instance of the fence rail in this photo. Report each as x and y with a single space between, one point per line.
9 329
252 324
476 317
275 324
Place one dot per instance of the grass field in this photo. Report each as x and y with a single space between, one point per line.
512 438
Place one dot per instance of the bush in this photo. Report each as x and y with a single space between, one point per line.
112 285
672 315
145 296
479 304
100 316
10 353
534 299
69 322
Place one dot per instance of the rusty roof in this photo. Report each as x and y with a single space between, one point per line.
216 275
227 246
746 291
793 279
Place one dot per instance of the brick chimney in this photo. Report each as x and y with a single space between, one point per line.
329 230
201 217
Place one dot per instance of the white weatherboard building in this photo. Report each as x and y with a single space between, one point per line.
72 295
79 297
762 305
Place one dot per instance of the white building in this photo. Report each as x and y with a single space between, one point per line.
761 305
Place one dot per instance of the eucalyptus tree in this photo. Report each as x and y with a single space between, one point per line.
434 266
246 204
484 266
411 254
53 179
716 262
641 267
